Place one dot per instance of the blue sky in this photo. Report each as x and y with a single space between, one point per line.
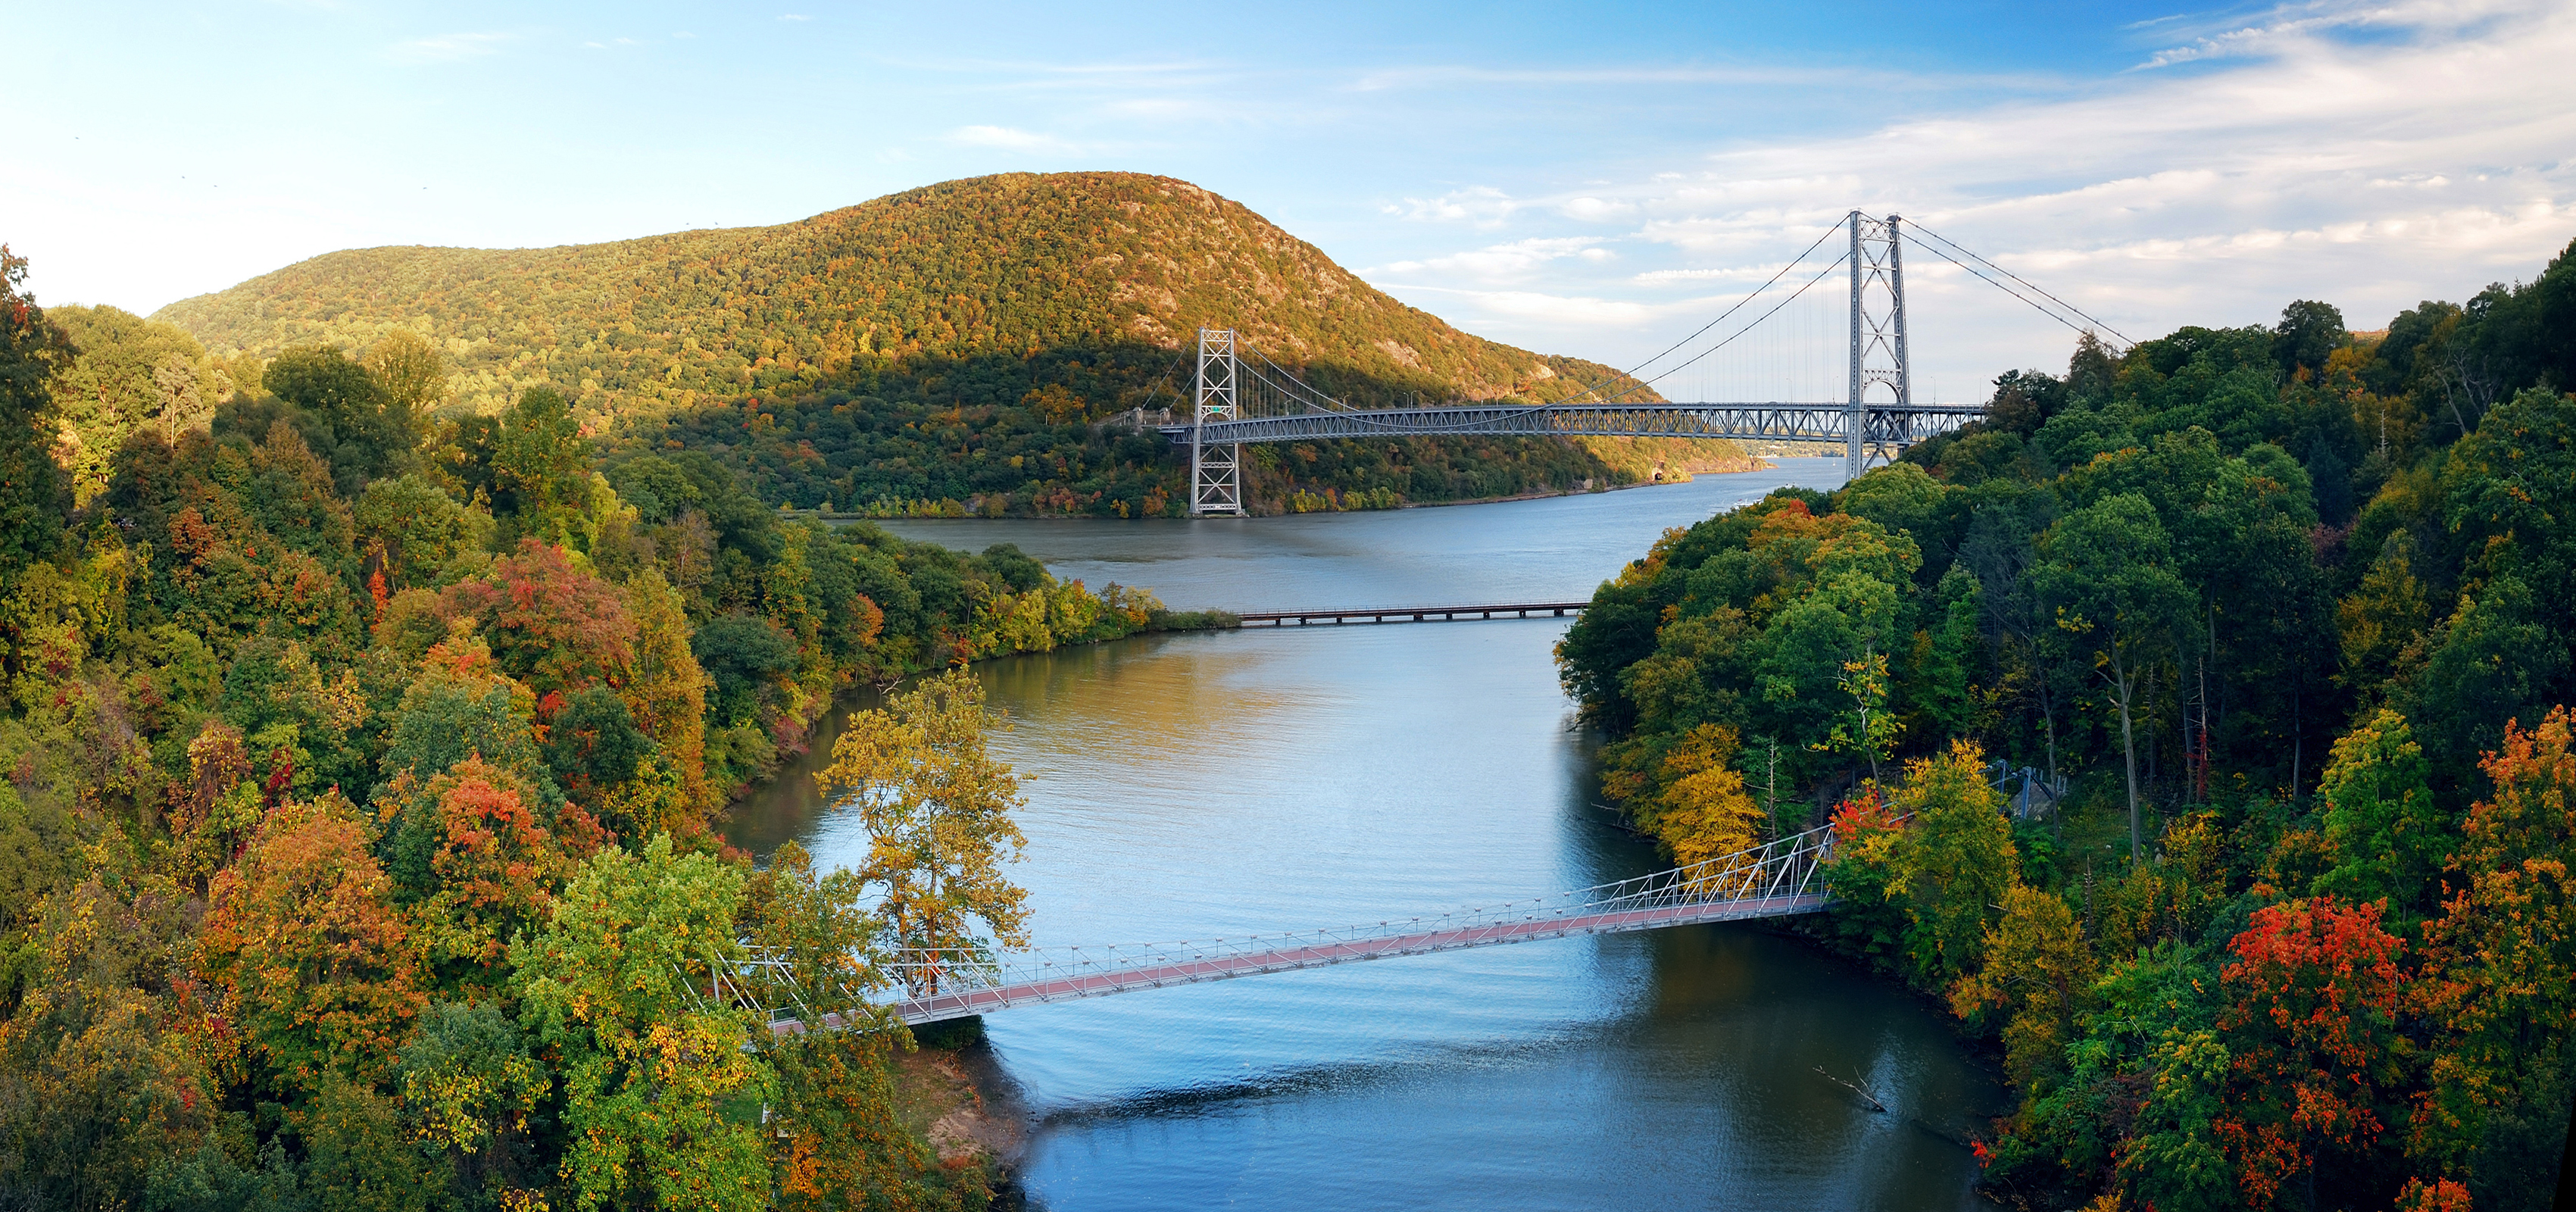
1586 179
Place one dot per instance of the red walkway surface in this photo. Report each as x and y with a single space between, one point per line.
1407 614
1319 954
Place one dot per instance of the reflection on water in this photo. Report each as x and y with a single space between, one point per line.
1209 785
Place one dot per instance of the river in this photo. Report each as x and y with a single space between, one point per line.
1201 786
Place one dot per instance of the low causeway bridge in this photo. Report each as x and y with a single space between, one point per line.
1777 879
1409 614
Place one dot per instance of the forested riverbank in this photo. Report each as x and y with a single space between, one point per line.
364 770
2264 630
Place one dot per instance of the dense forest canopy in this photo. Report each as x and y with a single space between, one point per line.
356 844
963 345
2265 634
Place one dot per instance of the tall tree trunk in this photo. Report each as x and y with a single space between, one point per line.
2128 755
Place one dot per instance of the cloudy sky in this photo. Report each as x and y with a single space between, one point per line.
1590 179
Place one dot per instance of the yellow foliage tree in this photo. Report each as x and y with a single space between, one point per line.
937 808
1704 812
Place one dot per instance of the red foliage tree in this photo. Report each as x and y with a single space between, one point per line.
2311 1024
551 625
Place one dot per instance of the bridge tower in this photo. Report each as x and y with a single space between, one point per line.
1216 471
1877 336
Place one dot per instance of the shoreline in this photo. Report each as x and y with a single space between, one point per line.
952 1092
1753 463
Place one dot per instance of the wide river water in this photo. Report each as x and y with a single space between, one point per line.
1205 786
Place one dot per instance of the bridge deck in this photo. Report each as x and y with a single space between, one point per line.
1217 967
1884 424
1406 614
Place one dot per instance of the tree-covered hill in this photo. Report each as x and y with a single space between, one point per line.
2268 632
1014 263
1042 304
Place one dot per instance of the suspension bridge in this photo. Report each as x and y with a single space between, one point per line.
1778 879
1241 397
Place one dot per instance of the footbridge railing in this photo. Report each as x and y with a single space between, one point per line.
1776 879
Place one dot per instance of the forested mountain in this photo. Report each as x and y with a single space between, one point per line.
961 342
2283 614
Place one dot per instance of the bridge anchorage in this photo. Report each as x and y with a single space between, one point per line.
1777 879
1240 401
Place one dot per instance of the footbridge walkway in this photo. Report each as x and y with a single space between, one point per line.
1777 879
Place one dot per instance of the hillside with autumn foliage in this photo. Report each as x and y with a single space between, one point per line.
358 843
2196 727
968 343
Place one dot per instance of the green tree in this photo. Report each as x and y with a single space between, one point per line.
364 433
2308 331
593 745
473 1093
661 1097
33 494
937 808
131 374
1951 866
741 654
1868 729
541 467
2108 571
2390 837
413 529
411 374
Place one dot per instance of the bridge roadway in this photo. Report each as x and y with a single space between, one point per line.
1882 424
1219 966
1405 614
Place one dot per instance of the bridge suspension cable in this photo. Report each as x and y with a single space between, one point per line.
1838 263
1739 304
2090 324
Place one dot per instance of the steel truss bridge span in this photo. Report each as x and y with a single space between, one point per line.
1778 879
1881 425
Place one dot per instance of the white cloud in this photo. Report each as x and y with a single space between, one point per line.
1482 205
444 48
1595 210
1543 310
1008 138
1765 75
2368 154
1506 262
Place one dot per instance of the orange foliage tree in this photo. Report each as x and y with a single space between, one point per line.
317 969
2503 955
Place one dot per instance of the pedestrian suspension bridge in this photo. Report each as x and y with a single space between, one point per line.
1240 397
1778 879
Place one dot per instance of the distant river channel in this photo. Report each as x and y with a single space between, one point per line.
1207 786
